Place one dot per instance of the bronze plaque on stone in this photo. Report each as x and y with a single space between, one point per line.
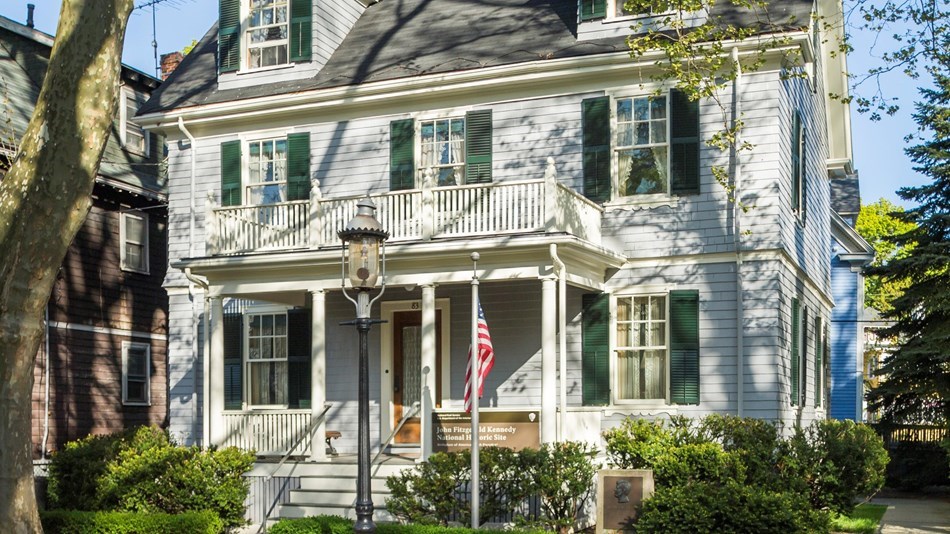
452 431
620 493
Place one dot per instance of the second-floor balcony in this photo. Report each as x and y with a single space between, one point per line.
515 207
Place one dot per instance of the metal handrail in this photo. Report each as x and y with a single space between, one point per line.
309 432
412 411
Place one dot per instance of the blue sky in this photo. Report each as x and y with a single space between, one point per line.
878 146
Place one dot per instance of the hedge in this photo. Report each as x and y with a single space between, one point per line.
326 524
73 522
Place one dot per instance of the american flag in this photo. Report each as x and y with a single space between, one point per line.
486 359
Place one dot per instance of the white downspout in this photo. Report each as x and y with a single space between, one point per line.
737 237
561 271
46 379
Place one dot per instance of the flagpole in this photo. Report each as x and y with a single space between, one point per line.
473 391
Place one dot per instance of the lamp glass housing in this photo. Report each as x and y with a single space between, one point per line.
363 262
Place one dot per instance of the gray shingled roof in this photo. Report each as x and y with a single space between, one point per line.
846 196
403 38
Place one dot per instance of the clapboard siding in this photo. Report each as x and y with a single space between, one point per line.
185 371
846 381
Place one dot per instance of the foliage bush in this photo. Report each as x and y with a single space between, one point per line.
917 465
699 507
436 491
337 525
144 471
839 461
829 464
73 522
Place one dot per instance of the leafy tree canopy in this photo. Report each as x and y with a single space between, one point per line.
877 223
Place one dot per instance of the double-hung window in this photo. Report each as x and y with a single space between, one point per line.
654 353
254 34
641 348
267 358
442 149
134 138
133 234
599 9
641 147
634 146
458 150
267 33
267 172
136 372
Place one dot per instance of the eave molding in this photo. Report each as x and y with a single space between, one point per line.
434 85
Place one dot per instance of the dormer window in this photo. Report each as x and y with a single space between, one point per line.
256 34
599 9
267 33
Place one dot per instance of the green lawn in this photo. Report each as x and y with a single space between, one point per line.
863 520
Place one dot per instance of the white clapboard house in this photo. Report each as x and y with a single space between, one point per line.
616 276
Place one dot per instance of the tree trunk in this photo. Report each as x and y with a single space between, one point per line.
44 199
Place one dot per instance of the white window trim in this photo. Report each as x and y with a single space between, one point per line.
246 166
417 136
613 16
245 66
126 346
651 199
641 404
124 121
123 237
245 341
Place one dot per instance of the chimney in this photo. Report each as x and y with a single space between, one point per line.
170 62
29 15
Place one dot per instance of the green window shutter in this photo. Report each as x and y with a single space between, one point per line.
233 361
231 173
803 364
819 357
684 347
593 9
229 35
301 30
478 140
595 121
803 199
402 168
595 350
684 144
298 166
796 346
796 159
298 358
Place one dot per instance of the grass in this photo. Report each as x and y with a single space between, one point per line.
864 519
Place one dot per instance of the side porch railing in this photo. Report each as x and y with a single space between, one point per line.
540 205
270 433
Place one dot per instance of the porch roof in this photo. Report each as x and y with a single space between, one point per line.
438 261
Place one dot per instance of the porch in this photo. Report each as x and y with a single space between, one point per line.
517 207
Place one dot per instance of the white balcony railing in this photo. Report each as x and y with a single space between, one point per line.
456 211
270 433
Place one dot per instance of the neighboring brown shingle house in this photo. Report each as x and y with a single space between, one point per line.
102 366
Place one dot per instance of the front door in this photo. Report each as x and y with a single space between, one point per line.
407 370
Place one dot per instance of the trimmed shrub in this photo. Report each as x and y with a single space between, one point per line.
839 461
425 494
757 443
697 462
637 443
143 471
325 524
73 522
563 475
712 508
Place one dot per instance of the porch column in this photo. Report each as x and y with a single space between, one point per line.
548 360
318 374
216 373
428 368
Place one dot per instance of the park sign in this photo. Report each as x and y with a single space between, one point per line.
452 431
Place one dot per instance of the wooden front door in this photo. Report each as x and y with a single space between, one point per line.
407 370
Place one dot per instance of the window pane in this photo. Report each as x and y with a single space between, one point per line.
280 348
254 349
267 348
643 171
641 109
658 308
458 129
134 259
137 362
135 391
428 132
255 329
641 374
658 337
658 107
267 325
642 133
134 229
658 131
268 383
280 325
441 131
